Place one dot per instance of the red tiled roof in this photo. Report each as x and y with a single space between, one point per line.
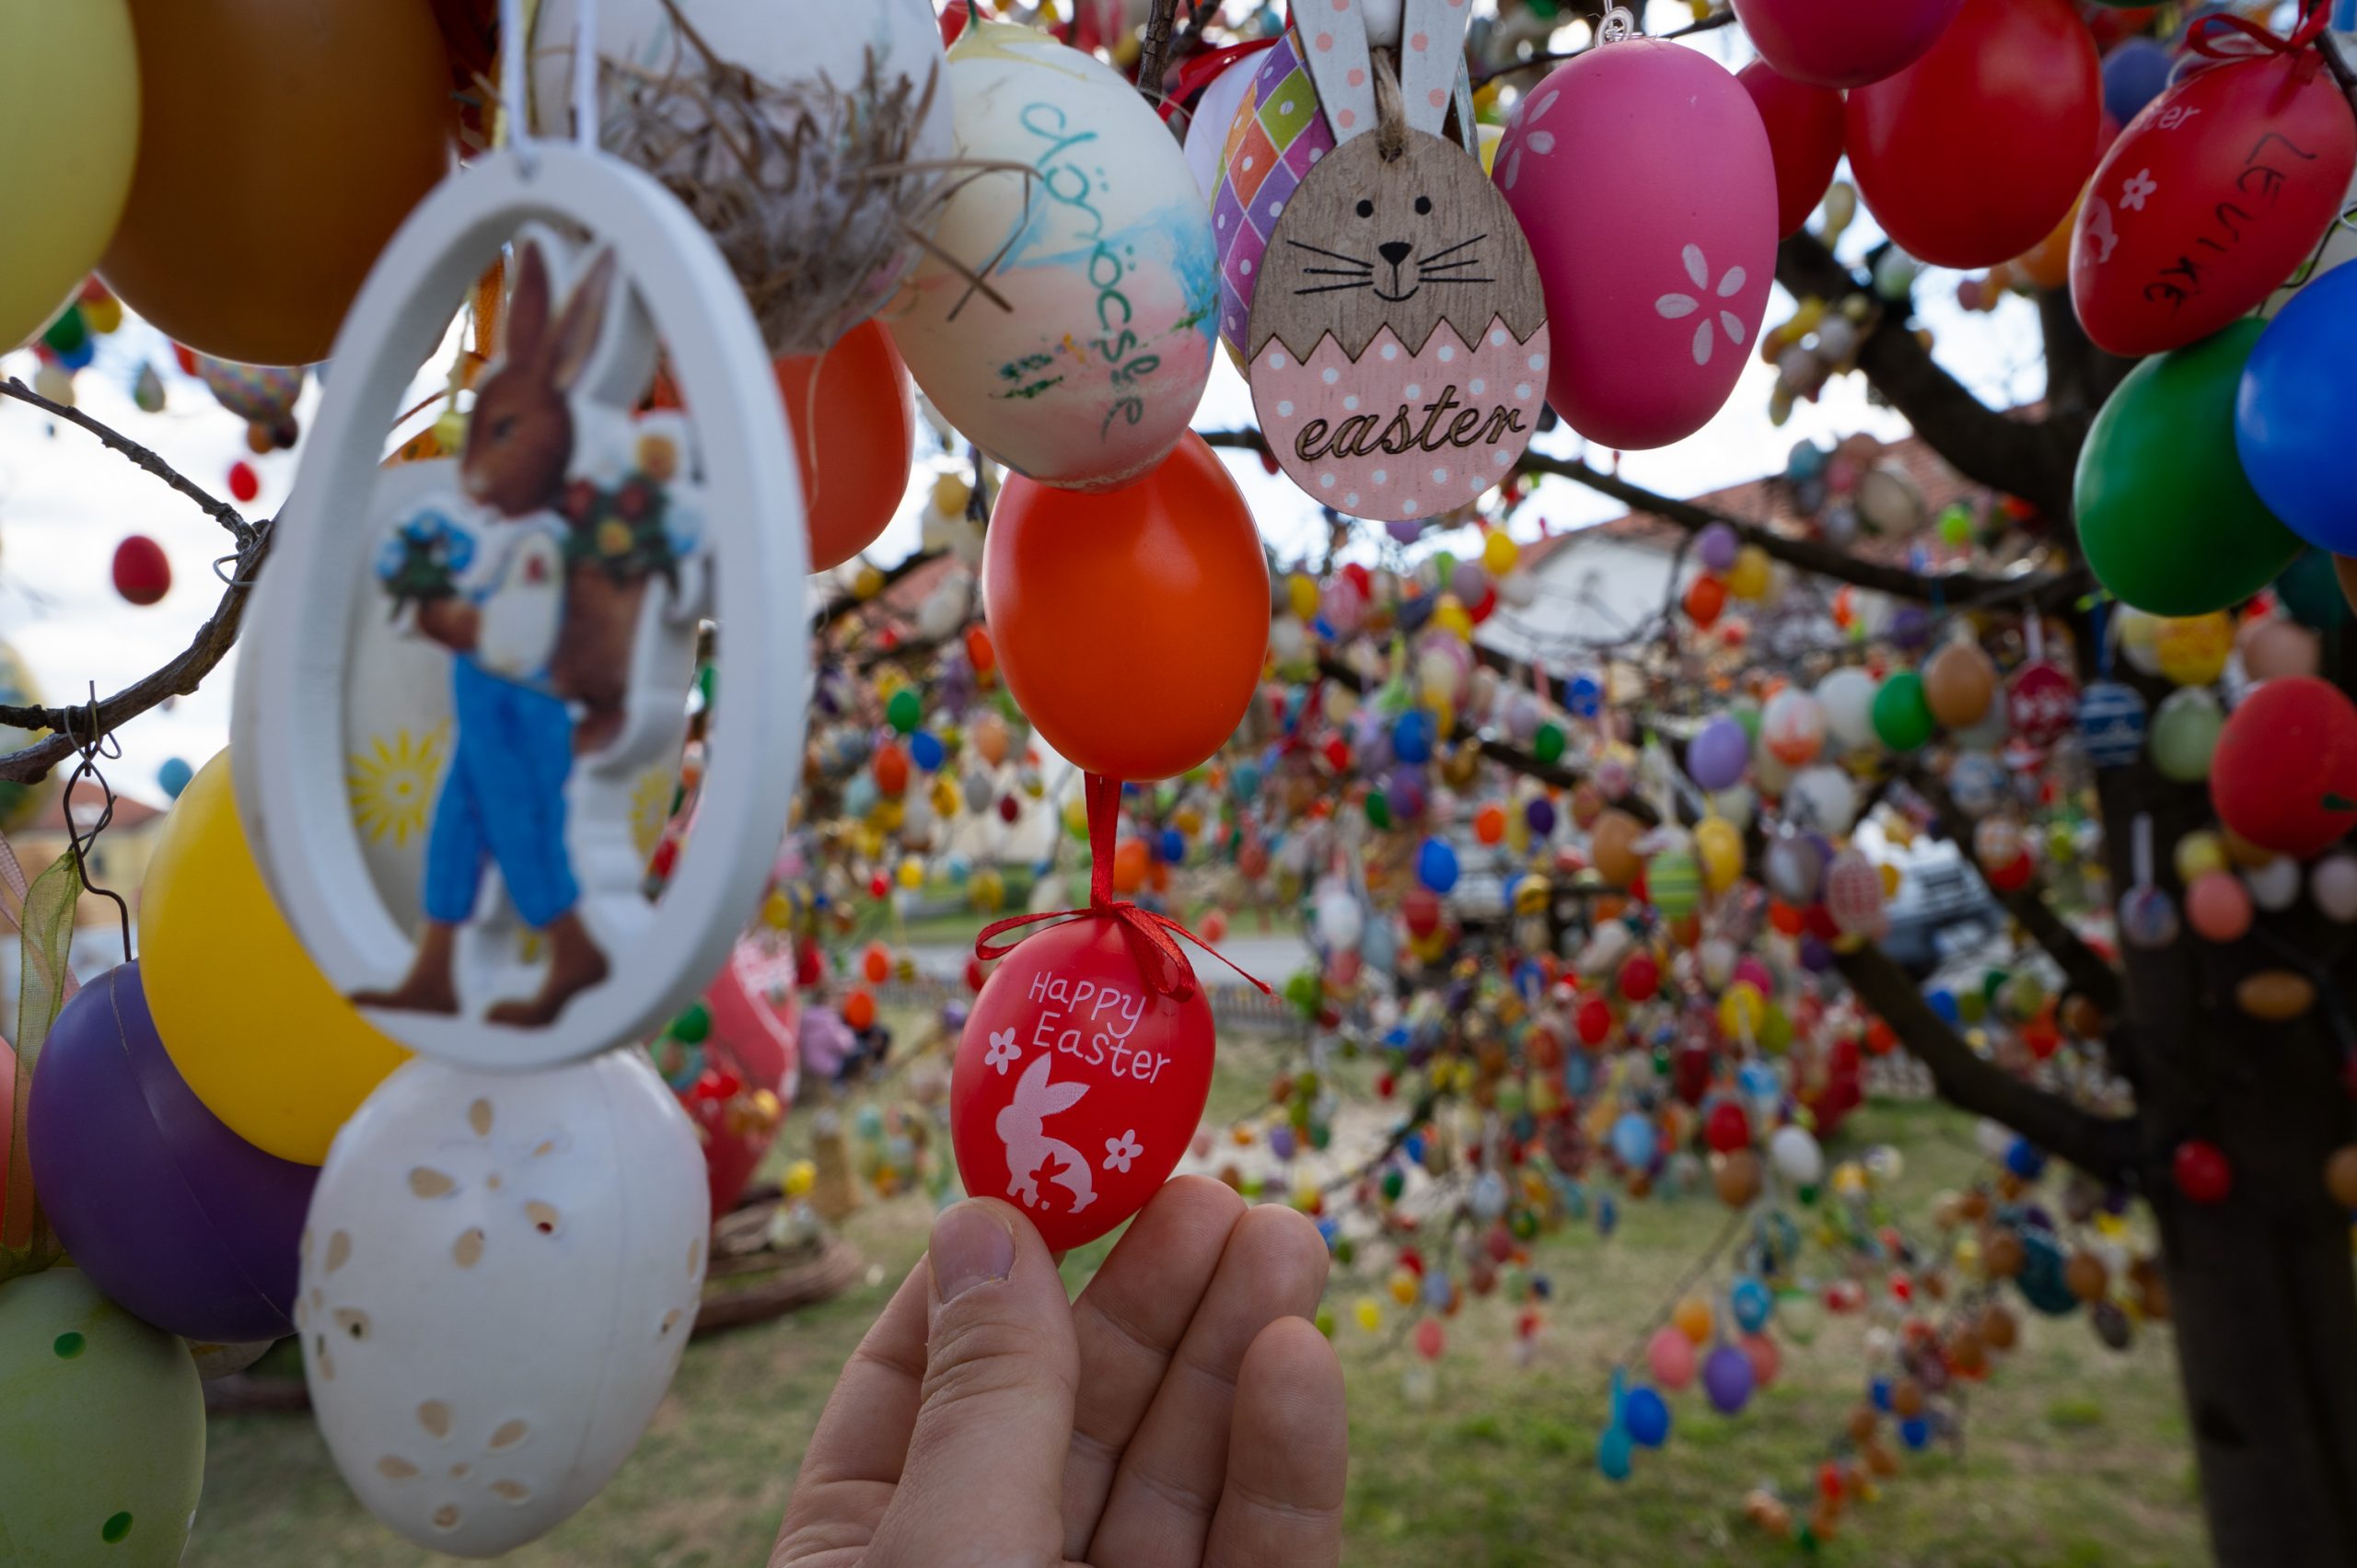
88 800
1767 501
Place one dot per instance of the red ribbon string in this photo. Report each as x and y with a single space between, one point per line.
1153 937
2210 36
1200 71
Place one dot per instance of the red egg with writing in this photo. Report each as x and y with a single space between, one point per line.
2209 200
1076 1088
1974 153
2041 702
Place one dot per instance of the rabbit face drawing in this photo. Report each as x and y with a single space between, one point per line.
520 436
1030 1153
1405 242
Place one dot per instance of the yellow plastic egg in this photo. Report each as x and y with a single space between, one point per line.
1301 592
1367 1313
1499 553
1741 1009
2192 649
800 1177
1719 845
1403 1288
911 874
950 494
867 583
2200 851
1747 578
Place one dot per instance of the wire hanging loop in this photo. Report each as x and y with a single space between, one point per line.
101 743
1619 23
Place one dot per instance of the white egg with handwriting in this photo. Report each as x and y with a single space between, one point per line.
498 1276
1063 321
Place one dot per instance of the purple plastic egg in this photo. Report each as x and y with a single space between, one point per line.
173 1216
1727 1378
1717 754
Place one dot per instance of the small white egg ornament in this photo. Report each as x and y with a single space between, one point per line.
498 1276
1072 340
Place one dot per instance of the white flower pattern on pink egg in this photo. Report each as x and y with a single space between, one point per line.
1539 143
2137 188
1003 1051
1121 1151
1673 307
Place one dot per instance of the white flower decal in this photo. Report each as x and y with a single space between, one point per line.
1121 1151
1671 306
1539 143
2136 189
1003 1051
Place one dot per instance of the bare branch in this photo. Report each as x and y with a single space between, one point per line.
1955 589
2082 965
850 603
177 679
2032 459
220 511
1153 57
2103 1146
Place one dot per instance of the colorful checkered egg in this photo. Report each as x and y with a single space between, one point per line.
1277 137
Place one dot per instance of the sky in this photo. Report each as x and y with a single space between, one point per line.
65 501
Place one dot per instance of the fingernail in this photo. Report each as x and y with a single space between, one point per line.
970 1246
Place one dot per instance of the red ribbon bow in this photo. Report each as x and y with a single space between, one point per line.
2209 37
1153 937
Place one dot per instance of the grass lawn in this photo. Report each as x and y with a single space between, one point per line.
2075 1457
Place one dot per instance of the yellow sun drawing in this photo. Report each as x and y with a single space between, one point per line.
391 782
650 807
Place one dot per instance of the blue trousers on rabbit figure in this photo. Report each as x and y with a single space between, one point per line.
502 800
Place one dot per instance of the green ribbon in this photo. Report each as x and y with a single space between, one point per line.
27 1244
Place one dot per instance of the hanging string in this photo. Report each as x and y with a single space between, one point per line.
1152 935
80 844
2223 37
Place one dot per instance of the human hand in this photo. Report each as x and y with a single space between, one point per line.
1181 1414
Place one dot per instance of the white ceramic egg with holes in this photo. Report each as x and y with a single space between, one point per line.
498 1276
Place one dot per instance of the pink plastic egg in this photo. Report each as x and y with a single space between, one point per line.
1843 43
1660 148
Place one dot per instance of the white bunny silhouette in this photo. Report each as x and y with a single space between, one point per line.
1021 1127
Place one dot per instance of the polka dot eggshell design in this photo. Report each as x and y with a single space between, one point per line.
1277 137
1354 470
498 1276
101 1430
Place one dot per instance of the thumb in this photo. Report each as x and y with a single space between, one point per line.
984 1478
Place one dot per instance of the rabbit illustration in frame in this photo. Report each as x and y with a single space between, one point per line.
557 578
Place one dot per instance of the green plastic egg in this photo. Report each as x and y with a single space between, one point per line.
2185 733
1902 714
2166 518
101 1430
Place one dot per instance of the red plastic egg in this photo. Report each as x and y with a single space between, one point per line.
1803 138
1843 43
2201 1171
244 483
2284 775
1075 1088
142 573
1974 153
2211 197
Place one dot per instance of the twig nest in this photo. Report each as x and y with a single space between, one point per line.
810 138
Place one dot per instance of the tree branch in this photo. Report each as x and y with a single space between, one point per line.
2082 965
1955 589
828 616
83 722
220 511
1153 55
177 679
2103 1146
2033 459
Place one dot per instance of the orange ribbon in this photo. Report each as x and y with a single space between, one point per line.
1153 937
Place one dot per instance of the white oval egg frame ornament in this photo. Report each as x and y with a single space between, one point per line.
293 688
